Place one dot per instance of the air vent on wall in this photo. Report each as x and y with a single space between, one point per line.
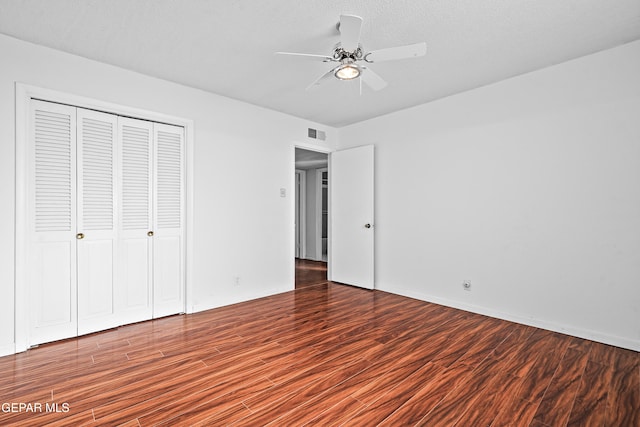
316 134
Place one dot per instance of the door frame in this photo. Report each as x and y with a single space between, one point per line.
301 211
319 213
307 147
24 94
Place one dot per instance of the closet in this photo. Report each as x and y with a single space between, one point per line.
105 218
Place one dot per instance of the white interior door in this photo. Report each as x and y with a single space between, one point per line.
168 230
51 273
96 216
133 290
351 250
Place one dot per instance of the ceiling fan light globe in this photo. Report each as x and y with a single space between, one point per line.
347 72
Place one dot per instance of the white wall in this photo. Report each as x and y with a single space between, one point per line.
530 188
243 156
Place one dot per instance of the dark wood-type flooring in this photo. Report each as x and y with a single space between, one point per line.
309 272
325 354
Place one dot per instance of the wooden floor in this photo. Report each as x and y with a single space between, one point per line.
309 272
325 354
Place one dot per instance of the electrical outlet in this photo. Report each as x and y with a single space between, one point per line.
237 281
466 285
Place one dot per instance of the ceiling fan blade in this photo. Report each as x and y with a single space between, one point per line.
400 52
324 58
326 76
372 80
350 26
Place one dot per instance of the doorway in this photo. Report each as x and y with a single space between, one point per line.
311 216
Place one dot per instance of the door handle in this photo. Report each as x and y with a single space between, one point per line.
79 236
367 226
150 234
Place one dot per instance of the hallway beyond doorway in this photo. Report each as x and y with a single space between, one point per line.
310 272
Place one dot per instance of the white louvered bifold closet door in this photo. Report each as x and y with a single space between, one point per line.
169 205
134 291
106 221
51 271
96 237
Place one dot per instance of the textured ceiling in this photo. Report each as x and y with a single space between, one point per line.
227 47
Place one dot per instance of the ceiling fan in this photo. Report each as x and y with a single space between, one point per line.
350 56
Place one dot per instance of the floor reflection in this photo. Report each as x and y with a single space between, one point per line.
310 272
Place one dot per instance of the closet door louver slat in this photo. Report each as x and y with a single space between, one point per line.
136 176
97 174
169 179
53 144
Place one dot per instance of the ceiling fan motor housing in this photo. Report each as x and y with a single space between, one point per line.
339 53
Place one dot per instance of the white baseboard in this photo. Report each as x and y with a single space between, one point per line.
7 350
229 300
537 323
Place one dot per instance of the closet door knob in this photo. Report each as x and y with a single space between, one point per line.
150 234
367 226
79 236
